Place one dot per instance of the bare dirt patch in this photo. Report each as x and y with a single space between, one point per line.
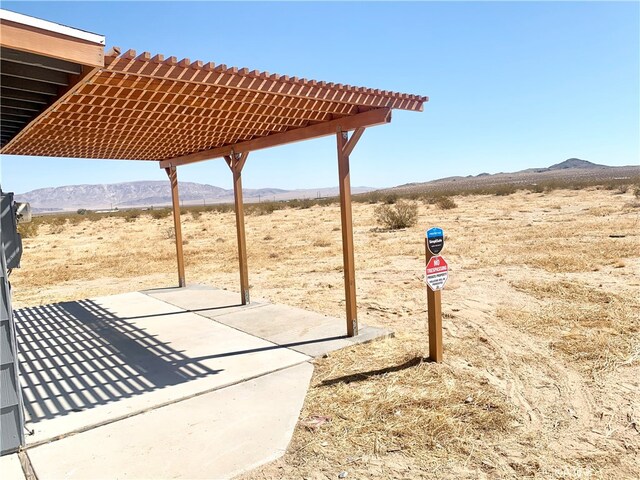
542 365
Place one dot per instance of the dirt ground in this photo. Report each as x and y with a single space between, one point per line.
541 377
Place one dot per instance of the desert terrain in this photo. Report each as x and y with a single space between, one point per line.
541 371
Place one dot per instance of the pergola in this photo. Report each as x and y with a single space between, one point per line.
63 96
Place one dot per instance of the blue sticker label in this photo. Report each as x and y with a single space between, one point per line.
435 232
435 240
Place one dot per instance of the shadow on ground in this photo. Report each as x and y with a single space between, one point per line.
78 355
359 377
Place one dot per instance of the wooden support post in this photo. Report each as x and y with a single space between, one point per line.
434 310
172 173
345 146
236 162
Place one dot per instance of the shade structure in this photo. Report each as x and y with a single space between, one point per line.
147 107
63 96
130 106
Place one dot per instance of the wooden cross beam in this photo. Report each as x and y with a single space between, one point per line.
366 119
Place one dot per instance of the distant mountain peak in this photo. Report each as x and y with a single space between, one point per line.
575 163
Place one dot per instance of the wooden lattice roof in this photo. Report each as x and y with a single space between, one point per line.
146 107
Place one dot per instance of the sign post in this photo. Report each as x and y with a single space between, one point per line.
436 276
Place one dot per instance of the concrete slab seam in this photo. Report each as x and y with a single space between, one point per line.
231 326
251 306
387 334
27 467
163 404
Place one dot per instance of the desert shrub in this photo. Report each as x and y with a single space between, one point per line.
264 208
302 203
56 221
161 213
82 211
371 197
310 202
390 198
216 207
402 214
636 191
622 189
195 214
446 203
131 215
222 208
169 233
503 190
322 242
28 230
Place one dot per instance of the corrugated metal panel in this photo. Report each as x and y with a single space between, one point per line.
11 434
6 352
8 381
11 413
11 241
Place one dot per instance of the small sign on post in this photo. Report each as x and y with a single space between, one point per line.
437 273
435 240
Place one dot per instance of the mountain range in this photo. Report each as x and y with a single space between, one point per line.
572 169
157 193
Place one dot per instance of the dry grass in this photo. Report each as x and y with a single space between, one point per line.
541 326
599 330
397 405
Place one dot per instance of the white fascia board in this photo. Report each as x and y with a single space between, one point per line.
51 27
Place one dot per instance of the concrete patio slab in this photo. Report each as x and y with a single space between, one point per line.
307 332
183 383
11 468
203 300
216 435
90 362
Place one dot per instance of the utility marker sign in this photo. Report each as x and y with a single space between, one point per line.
435 240
437 273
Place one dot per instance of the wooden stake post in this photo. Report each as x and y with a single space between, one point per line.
434 309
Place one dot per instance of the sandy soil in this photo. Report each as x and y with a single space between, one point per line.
541 376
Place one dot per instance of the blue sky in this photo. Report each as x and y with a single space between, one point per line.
512 85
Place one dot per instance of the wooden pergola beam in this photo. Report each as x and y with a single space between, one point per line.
172 173
236 161
51 44
366 119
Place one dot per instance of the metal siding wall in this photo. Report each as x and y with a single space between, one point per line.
11 241
11 416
